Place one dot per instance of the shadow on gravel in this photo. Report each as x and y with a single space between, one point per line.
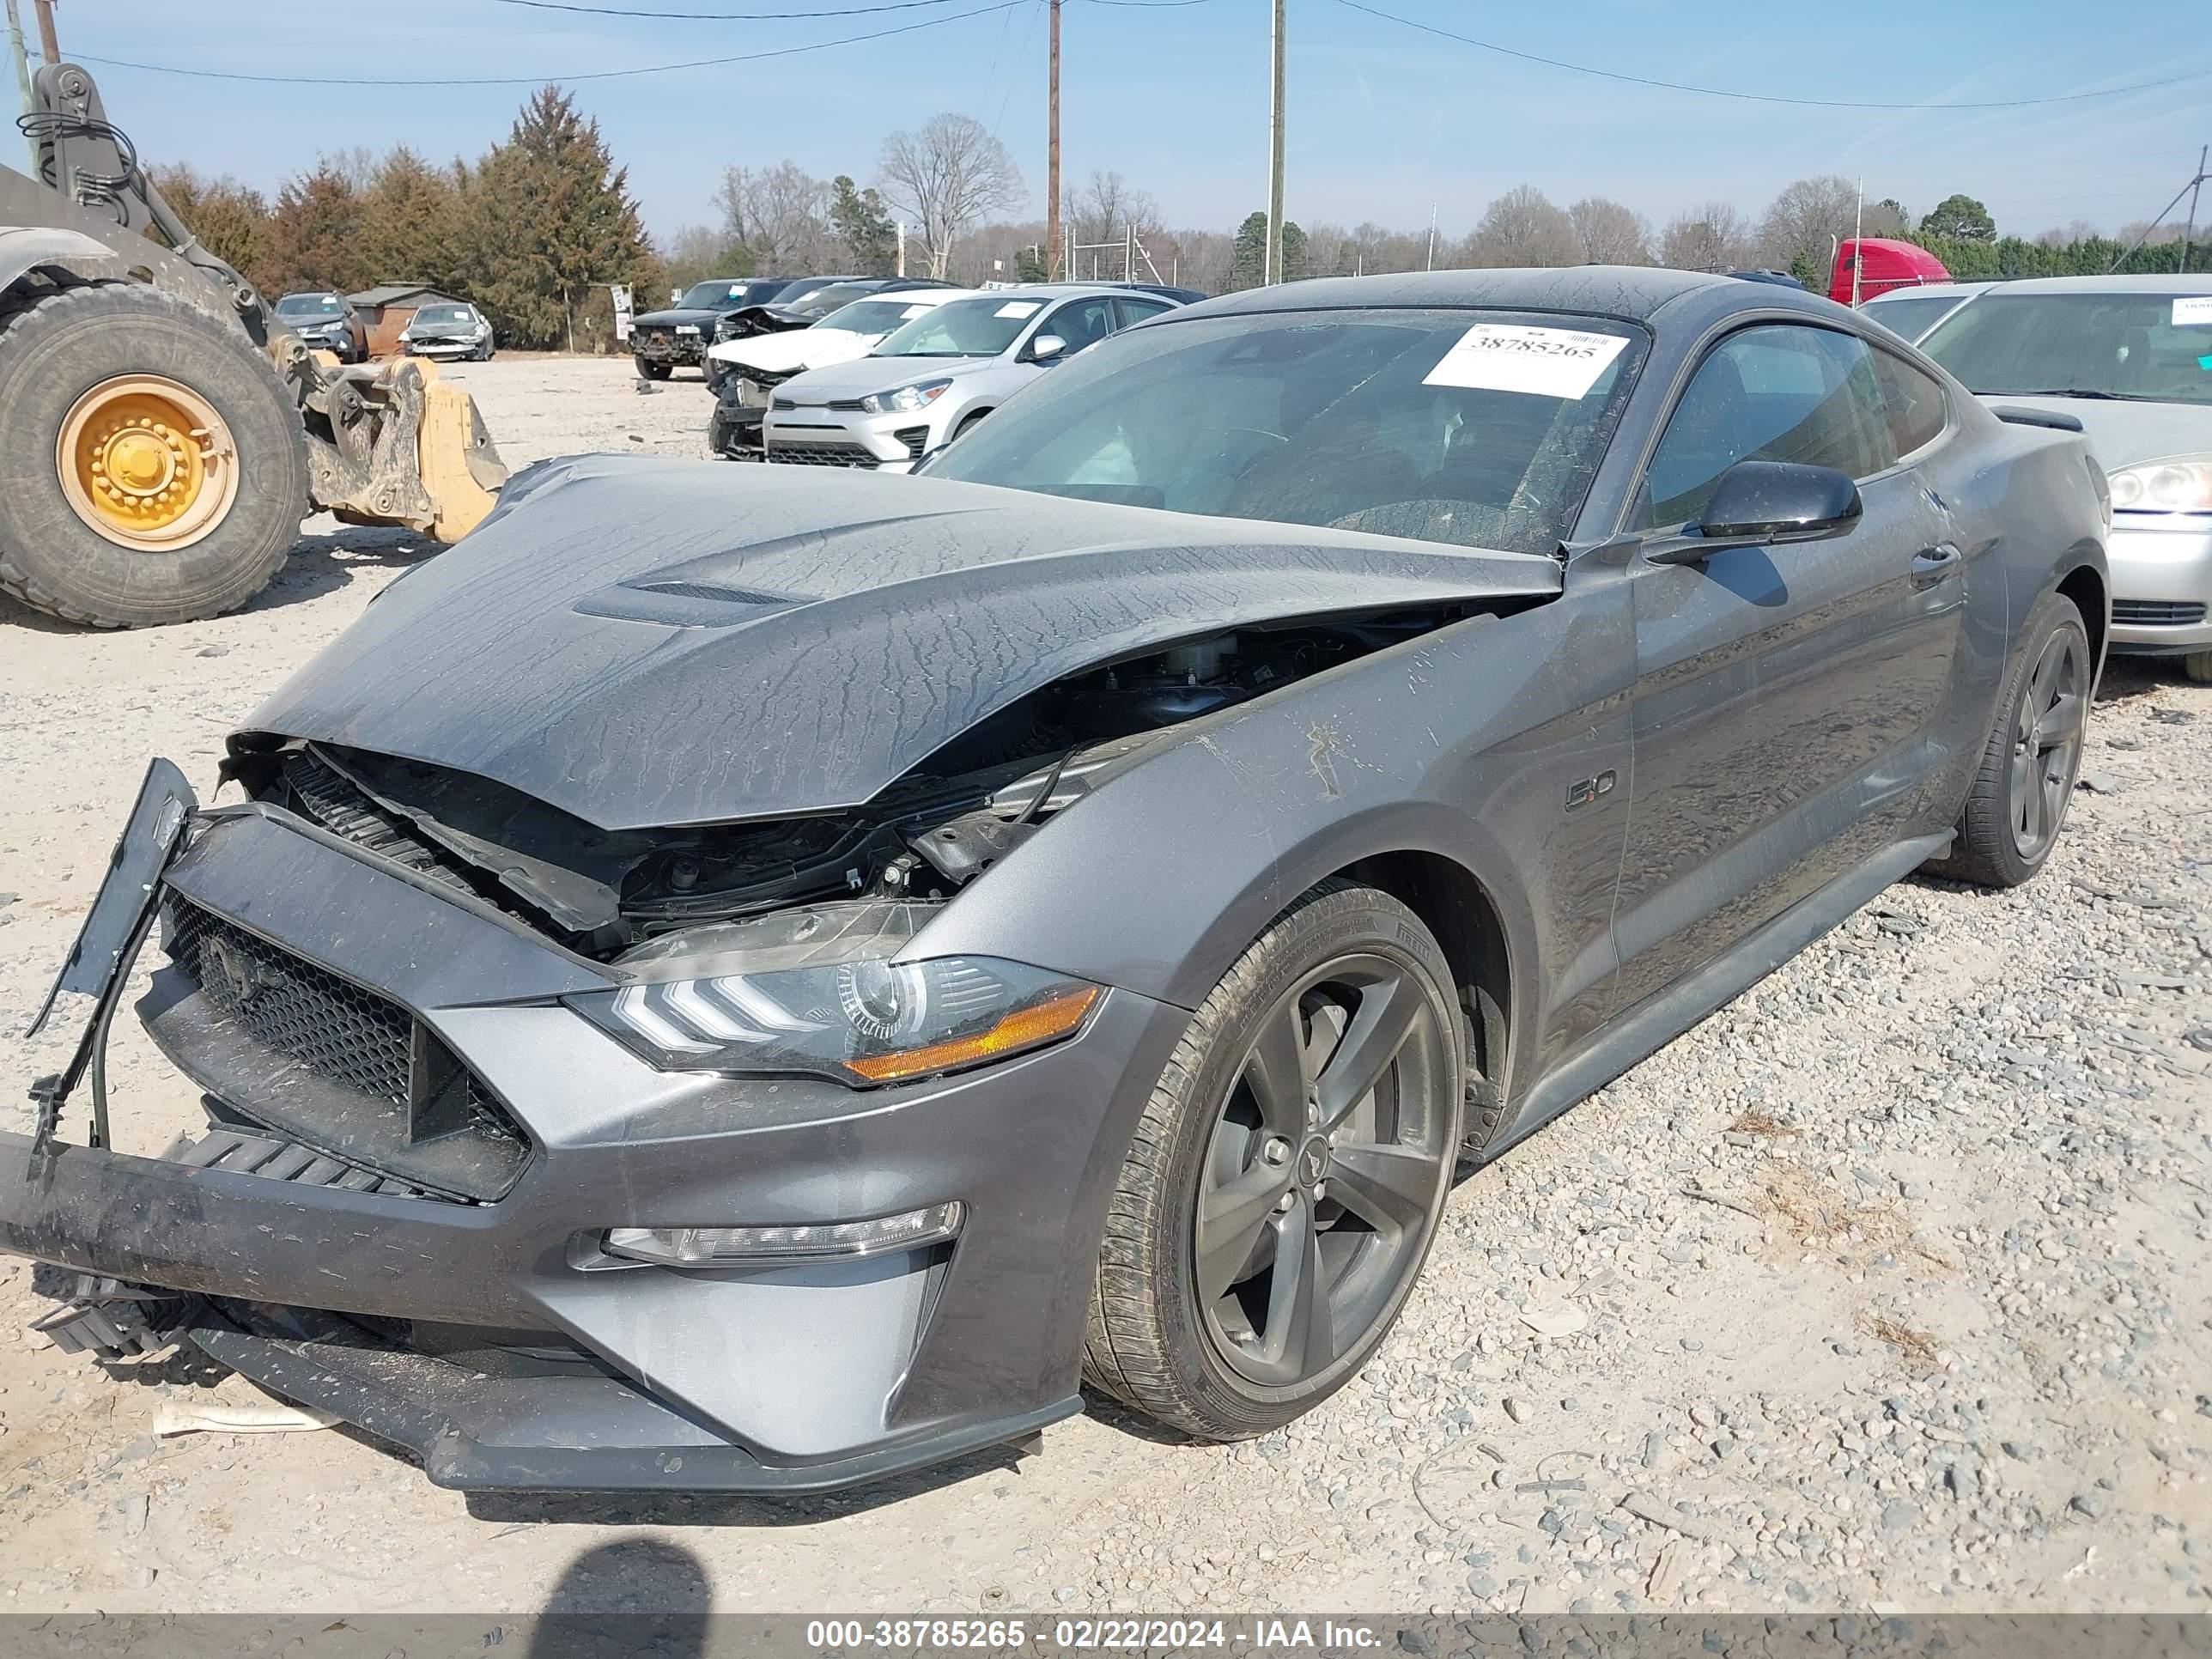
322 564
708 1509
660 1590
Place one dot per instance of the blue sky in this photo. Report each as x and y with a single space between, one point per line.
1383 121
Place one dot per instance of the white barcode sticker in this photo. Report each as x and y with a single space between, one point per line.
1019 308
1545 362
2193 311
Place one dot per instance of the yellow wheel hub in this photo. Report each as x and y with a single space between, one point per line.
147 462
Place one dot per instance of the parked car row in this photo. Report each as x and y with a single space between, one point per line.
883 381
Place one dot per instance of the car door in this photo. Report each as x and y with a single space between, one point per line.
1783 693
1081 323
1129 309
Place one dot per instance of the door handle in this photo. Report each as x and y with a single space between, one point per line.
1931 564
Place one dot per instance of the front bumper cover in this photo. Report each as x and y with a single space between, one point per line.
774 1377
2162 572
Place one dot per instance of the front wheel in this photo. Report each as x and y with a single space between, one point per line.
2017 802
2198 665
652 371
1287 1175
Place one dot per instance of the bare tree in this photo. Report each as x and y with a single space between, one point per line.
2057 236
1610 234
947 179
1714 237
1801 226
779 216
1109 207
1522 227
1886 217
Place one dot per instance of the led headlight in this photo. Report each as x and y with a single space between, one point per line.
907 399
816 991
2163 487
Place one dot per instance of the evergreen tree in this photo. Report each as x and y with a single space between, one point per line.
230 221
864 225
314 235
554 222
411 224
1960 217
1247 266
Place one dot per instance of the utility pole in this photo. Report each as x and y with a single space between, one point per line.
49 47
23 71
2197 182
1052 148
1432 236
902 247
1273 270
2195 185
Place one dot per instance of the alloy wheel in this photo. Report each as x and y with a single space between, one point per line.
1328 1155
2048 729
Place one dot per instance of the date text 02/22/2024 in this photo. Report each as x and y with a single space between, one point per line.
1016 1636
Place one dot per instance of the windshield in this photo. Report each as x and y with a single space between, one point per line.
1911 318
443 316
2156 347
964 328
1479 429
875 316
310 304
713 296
824 300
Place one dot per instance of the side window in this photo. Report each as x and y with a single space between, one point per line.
1780 392
1135 311
1914 401
1081 323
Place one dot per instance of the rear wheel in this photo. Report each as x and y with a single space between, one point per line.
654 371
2017 802
1288 1173
152 468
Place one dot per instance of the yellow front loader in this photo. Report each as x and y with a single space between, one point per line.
162 433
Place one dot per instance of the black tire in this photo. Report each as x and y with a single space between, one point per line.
63 345
654 371
968 423
1150 1342
1990 849
2197 667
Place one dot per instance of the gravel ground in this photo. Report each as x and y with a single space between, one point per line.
1885 1288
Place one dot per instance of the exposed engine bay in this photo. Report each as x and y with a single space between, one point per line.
606 894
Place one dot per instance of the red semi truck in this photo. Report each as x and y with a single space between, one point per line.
1881 266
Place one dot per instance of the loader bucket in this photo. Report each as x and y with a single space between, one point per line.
393 444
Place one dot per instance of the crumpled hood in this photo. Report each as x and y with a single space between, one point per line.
804 348
644 641
871 374
2127 434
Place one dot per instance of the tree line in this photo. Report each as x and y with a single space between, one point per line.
535 229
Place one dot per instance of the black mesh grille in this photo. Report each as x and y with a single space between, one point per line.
338 1030
2157 613
820 455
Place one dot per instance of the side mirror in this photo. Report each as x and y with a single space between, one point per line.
1047 348
1779 501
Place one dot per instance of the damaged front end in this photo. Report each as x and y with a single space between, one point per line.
574 1130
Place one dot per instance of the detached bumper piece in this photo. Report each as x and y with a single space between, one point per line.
514 1412
111 1321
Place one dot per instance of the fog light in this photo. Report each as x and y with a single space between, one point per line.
710 1247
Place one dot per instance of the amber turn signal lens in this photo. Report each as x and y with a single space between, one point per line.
1025 1027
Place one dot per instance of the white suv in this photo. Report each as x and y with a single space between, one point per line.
930 379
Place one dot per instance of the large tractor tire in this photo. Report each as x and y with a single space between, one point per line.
152 468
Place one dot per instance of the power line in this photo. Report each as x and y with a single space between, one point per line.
540 80
721 16
1755 97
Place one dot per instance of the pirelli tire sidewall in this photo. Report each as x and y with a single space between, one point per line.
62 345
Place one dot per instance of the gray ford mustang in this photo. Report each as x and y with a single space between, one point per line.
754 980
